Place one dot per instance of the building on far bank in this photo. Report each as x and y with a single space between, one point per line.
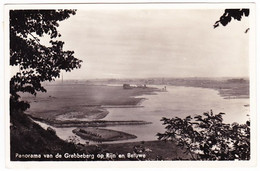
127 86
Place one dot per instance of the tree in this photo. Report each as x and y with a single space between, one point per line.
236 14
37 62
206 137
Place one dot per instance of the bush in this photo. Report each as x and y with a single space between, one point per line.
206 137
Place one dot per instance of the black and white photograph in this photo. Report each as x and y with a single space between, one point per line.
130 82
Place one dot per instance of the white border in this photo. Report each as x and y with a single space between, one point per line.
147 164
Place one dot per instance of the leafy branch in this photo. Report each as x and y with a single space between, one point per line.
230 14
37 63
206 137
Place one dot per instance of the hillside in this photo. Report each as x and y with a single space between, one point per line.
29 141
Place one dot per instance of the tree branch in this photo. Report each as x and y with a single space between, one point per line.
34 38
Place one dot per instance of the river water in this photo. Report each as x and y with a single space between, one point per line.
176 101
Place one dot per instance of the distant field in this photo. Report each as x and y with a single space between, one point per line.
81 100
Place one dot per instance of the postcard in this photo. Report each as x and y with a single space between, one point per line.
123 84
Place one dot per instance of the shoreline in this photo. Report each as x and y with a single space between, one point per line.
102 135
97 123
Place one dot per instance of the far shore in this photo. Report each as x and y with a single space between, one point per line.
228 87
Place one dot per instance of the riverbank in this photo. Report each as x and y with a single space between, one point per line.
79 123
82 102
102 135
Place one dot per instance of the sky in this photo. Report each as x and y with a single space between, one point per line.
145 43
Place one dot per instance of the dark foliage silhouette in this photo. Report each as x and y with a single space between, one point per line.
206 137
37 62
230 14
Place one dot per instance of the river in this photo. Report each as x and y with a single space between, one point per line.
180 102
176 101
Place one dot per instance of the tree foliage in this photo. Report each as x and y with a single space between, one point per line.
37 62
206 137
230 14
